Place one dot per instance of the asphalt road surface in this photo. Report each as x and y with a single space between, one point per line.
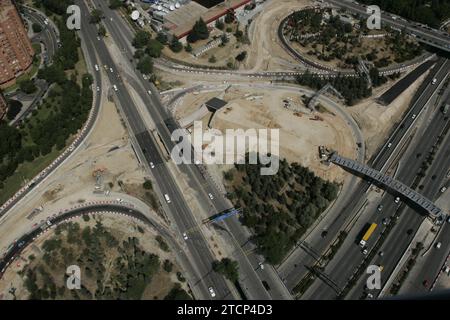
294 268
197 247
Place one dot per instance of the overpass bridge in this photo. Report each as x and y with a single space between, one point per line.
389 182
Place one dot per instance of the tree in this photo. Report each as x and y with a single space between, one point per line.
188 48
212 59
162 37
101 30
220 25
36 27
114 4
27 86
154 48
199 31
96 16
241 56
147 185
229 17
14 107
175 45
141 39
145 65
177 293
228 268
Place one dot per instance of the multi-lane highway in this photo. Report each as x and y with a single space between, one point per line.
435 38
251 274
197 246
398 240
350 255
294 268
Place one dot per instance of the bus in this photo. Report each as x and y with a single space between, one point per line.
367 235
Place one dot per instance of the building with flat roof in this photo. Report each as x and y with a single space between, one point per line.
180 22
16 51
215 104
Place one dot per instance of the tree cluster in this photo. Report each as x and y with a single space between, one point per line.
281 207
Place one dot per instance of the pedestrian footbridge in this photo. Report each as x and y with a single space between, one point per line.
389 182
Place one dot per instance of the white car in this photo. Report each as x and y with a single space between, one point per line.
438 245
210 196
211 292
46 21
261 265
413 116
397 200
144 76
185 237
443 189
115 88
98 38
98 89
97 68
111 69
166 196
389 144
149 92
152 165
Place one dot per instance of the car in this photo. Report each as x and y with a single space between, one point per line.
49 223
149 92
397 200
98 89
365 251
381 268
413 116
144 76
210 196
434 81
152 165
211 292
438 245
380 208
96 67
381 253
185 237
98 38
425 283
448 174
261 265
443 189
46 22
446 269
370 296
448 219
386 221
166 196
115 88
111 69
389 144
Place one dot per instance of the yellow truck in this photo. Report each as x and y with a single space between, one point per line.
367 235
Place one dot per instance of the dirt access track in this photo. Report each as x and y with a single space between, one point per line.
266 51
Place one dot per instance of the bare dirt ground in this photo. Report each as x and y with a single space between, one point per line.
122 228
107 149
375 120
266 52
300 136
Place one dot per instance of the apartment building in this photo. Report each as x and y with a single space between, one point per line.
16 51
